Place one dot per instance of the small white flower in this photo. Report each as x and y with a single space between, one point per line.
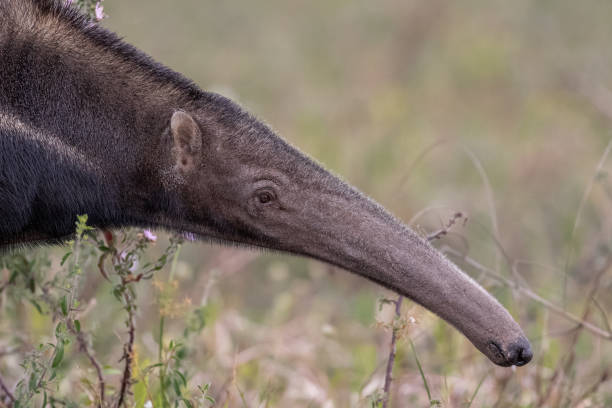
134 266
99 11
189 236
149 235
148 404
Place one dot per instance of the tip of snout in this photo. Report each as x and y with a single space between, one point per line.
517 353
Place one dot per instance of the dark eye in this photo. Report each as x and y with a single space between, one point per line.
265 197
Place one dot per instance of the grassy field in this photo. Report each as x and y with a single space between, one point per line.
499 110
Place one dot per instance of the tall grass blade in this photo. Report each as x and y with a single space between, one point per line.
418 363
476 390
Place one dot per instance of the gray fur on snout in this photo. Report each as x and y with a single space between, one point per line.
91 125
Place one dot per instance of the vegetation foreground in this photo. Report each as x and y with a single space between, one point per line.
514 189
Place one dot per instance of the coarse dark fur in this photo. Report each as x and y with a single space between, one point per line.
90 125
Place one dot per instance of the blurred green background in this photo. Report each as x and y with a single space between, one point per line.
501 110
403 99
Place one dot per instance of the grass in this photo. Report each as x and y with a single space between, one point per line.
380 84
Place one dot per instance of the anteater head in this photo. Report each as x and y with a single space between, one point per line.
205 166
237 181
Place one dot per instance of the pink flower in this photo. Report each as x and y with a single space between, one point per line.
149 235
99 11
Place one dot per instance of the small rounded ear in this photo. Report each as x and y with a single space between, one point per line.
187 141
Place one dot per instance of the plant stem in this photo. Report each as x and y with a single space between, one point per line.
128 351
6 391
388 378
418 363
162 320
582 323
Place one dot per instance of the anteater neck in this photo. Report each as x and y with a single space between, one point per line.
89 112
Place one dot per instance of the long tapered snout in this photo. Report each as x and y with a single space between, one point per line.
290 203
360 236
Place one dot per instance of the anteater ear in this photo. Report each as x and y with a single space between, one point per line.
187 141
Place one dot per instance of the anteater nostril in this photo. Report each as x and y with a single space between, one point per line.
520 353
525 356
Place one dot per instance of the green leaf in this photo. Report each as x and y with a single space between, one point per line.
77 325
65 258
187 403
59 329
59 354
13 277
118 295
140 394
152 366
109 370
36 305
33 382
177 387
182 377
64 305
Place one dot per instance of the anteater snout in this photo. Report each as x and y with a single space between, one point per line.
519 352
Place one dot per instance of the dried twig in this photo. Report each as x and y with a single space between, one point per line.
410 170
563 368
4 285
595 93
598 331
7 392
445 230
398 308
84 348
490 197
593 388
585 196
128 351
391 361
9 351
602 311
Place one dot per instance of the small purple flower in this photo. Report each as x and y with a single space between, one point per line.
99 11
149 235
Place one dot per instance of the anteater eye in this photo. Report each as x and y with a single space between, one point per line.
265 197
